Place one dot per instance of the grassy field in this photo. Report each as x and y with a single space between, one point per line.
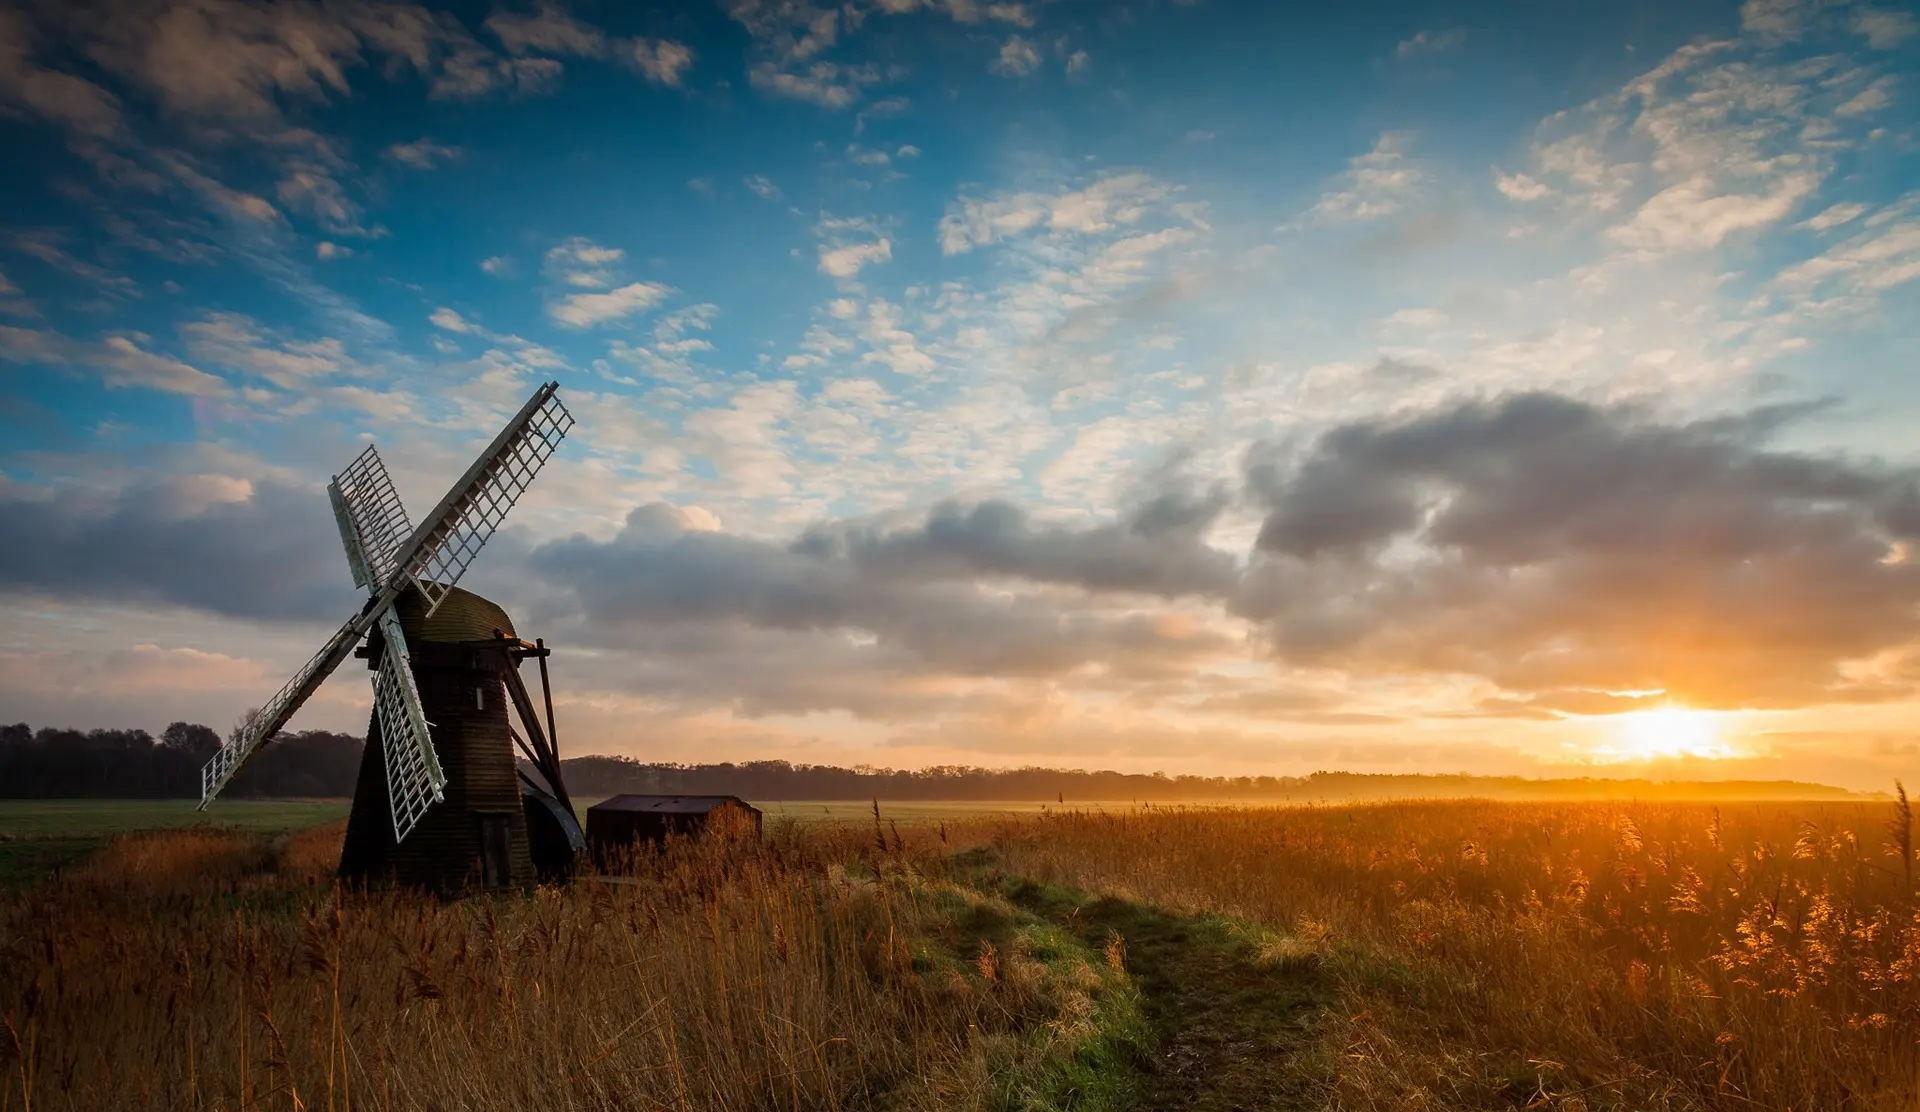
40 835
1441 955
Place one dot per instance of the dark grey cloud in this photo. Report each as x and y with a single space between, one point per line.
1156 548
1548 544
187 541
910 594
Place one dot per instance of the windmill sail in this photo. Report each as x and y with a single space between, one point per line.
373 523
386 556
414 779
262 726
447 541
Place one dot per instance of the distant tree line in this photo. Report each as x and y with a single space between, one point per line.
132 764
589 777
51 763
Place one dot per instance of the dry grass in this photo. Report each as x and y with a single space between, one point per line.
208 969
1659 957
1664 956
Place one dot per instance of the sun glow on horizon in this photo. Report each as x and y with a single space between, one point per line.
1665 733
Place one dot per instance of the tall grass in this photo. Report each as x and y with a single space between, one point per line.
1664 956
202 969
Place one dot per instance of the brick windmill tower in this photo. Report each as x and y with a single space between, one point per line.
440 802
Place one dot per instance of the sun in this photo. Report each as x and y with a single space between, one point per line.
1665 733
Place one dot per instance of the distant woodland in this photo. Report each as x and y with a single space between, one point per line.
133 764
51 763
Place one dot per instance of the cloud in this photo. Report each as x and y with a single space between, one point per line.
846 261
1430 42
1884 252
1155 549
1520 187
910 594
762 187
586 310
1721 138
1111 201
308 189
1835 215
1546 544
446 318
1885 28
823 83
1017 58
1379 183
496 265
671 354
238 62
890 344
1694 215
240 343
119 361
793 38
547 30
582 263
211 542
327 251
71 102
424 154
1418 318
660 61
1870 99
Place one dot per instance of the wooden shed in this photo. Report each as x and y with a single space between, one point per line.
624 820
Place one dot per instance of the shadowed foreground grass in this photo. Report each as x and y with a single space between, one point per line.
216 969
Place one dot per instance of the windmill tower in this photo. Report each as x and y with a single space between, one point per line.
439 802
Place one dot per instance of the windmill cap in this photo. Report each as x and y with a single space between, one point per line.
463 616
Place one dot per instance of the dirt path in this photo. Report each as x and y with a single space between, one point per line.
1234 1029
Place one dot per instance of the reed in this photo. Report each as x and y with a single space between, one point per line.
205 969
1667 956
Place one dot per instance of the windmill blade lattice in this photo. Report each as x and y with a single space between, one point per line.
373 523
285 701
415 781
466 518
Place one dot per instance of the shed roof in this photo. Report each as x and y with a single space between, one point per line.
669 804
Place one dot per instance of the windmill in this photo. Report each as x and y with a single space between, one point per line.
439 801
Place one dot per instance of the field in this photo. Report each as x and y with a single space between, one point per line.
1448 955
39 835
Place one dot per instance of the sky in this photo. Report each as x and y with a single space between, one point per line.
1201 387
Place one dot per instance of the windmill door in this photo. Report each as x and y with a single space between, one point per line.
496 851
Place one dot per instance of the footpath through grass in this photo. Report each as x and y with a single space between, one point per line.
1222 1017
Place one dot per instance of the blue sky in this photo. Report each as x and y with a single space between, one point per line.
1234 387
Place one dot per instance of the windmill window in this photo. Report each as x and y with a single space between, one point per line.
479 698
